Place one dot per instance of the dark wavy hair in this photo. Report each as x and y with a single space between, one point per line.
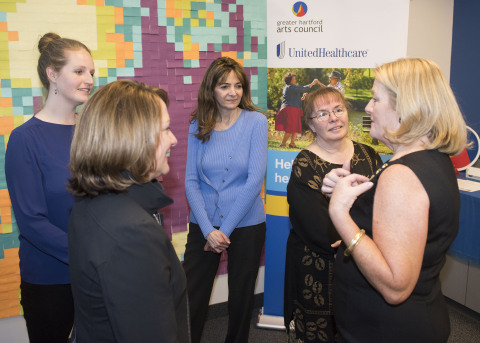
206 113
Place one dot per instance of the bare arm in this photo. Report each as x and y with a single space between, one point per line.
391 262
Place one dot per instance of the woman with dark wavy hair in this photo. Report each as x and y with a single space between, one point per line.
226 163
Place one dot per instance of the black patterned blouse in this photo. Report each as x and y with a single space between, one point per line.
308 303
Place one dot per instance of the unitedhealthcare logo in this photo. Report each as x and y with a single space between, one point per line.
281 50
320 52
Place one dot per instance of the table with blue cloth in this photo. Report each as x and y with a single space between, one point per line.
467 243
461 275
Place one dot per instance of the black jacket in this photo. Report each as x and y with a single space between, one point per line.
127 282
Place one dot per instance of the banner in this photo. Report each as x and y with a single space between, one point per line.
335 34
337 43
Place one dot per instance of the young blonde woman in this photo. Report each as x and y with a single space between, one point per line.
36 167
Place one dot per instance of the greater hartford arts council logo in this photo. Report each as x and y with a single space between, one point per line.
299 9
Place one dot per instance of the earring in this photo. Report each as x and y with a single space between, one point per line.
56 91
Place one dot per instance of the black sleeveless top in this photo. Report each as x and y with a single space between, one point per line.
361 313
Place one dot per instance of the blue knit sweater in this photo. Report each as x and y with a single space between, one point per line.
36 167
224 176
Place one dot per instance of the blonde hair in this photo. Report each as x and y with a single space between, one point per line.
424 103
52 49
116 138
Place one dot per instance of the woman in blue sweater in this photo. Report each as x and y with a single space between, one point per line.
226 163
36 167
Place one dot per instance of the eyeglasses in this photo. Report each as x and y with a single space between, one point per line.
324 115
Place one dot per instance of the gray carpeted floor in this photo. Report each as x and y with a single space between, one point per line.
465 325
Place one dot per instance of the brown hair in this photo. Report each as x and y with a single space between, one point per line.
52 49
116 138
328 93
424 103
206 112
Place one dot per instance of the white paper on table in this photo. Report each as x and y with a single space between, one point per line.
468 185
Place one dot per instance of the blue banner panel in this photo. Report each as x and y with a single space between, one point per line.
279 166
278 229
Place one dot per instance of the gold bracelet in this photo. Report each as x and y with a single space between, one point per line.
354 242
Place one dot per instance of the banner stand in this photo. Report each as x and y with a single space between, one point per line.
266 321
279 165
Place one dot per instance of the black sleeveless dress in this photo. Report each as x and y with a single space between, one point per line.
361 313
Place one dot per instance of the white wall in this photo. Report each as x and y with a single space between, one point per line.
430 31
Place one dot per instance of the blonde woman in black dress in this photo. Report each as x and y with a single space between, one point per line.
401 224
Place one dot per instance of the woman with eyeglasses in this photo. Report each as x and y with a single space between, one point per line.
308 307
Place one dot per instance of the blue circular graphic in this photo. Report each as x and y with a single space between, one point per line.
299 9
